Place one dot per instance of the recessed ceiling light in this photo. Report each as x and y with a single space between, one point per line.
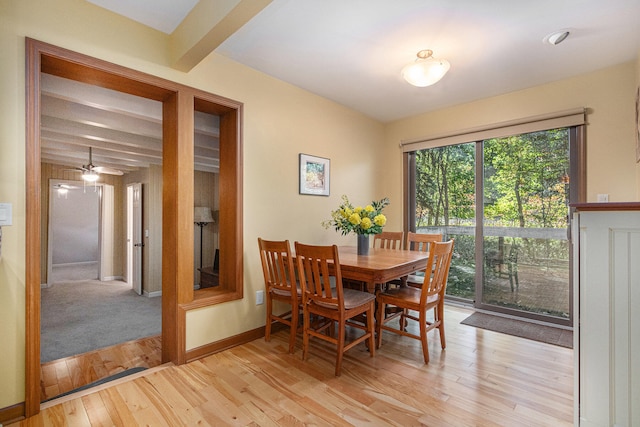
557 37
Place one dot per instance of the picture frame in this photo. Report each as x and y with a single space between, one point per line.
314 175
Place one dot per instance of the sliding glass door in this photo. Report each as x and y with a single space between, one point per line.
525 218
505 202
444 202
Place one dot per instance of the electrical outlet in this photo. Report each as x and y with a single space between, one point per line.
603 198
259 297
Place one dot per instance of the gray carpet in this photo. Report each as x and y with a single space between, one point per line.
519 328
77 317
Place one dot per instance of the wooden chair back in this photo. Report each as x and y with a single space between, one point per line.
324 297
412 303
319 274
277 265
388 240
281 285
440 254
421 241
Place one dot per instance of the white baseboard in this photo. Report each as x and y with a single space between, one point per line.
152 294
73 264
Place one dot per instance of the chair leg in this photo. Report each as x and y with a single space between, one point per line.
267 329
305 333
423 336
371 329
440 319
294 328
341 332
403 320
381 308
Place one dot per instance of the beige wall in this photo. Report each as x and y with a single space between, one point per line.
607 94
638 127
280 121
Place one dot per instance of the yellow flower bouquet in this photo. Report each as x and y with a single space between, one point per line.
360 220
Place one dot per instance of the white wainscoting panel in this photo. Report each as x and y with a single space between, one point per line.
608 356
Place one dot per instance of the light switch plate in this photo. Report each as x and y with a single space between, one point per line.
5 214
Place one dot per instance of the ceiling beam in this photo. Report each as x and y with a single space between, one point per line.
209 24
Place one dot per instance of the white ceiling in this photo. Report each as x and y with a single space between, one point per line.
349 51
124 131
352 51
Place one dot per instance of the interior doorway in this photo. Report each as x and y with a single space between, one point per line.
171 190
73 226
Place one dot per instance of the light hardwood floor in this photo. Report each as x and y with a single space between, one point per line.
63 375
483 378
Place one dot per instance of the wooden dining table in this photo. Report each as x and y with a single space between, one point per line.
380 266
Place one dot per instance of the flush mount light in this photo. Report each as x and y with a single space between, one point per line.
556 38
425 70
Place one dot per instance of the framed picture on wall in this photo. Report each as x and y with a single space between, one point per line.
314 175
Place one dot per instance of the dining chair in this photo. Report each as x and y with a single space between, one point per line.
419 242
281 285
505 256
410 300
388 240
323 296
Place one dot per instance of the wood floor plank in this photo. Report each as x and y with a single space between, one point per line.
75 413
64 375
483 378
97 412
217 409
116 407
167 401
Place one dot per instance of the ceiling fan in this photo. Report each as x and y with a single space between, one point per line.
90 171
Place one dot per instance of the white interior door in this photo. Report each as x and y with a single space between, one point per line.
134 236
106 237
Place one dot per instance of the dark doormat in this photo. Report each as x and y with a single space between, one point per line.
519 328
101 381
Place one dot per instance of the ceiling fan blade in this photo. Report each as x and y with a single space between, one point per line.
76 169
64 186
108 171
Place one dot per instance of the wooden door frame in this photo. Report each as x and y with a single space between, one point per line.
177 194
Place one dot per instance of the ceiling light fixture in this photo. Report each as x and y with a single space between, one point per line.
556 38
425 70
90 176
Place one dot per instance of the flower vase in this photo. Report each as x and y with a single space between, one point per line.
363 244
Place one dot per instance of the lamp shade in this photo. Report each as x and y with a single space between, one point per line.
425 70
202 215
